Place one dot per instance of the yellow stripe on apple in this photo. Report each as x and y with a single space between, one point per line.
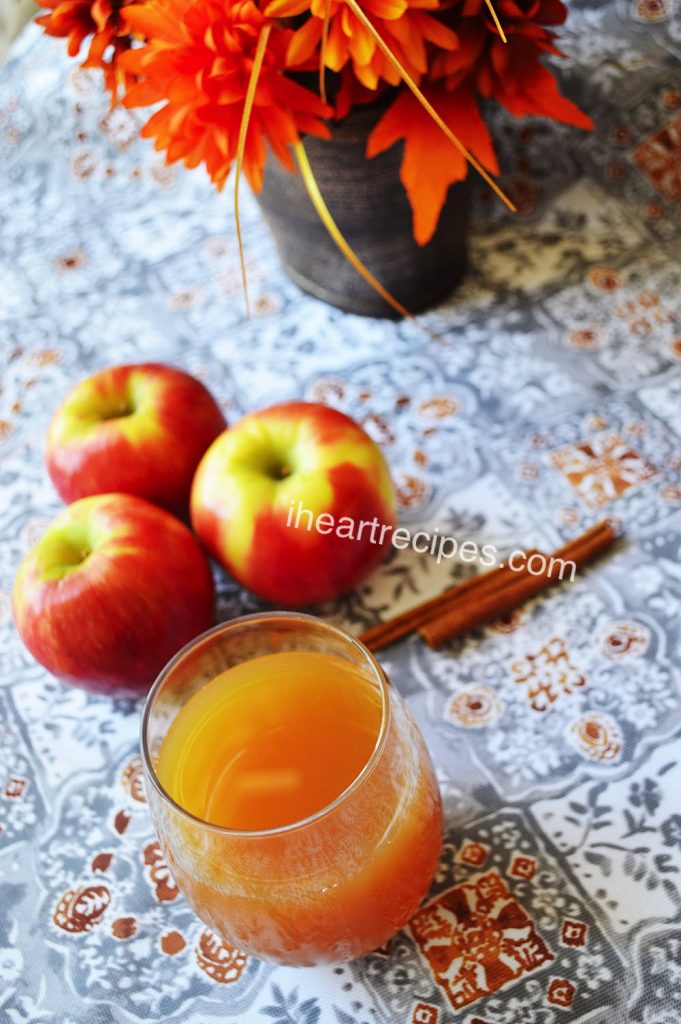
139 428
290 456
111 592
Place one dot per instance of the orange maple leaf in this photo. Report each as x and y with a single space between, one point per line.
430 163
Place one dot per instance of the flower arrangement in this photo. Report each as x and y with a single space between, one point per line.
230 79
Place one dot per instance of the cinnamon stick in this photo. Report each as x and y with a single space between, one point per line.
473 613
397 628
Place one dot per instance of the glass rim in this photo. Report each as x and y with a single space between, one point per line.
364 773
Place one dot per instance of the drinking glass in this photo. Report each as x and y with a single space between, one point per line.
337 884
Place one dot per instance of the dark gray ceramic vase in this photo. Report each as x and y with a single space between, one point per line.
367 200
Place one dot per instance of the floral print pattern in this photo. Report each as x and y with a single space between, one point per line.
545 397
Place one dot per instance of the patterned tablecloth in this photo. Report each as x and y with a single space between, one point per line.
551 396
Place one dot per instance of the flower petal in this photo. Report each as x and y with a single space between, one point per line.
303 43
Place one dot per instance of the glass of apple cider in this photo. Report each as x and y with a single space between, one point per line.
291 789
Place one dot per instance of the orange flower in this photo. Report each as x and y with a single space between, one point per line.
77 20
405 26
509 72
512 72
482 65
197 61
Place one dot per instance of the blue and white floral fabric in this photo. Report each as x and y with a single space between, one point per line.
549 398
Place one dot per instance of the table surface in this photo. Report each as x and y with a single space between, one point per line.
550 397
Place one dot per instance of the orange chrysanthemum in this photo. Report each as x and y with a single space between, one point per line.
78 20
511 72
482 65
197 62
224 76
405 25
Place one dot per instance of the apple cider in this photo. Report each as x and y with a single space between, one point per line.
294 797
270 741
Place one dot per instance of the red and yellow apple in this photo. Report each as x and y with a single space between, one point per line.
275 498
114 588
140 429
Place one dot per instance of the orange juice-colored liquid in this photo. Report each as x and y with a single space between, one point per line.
268 744
270 741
